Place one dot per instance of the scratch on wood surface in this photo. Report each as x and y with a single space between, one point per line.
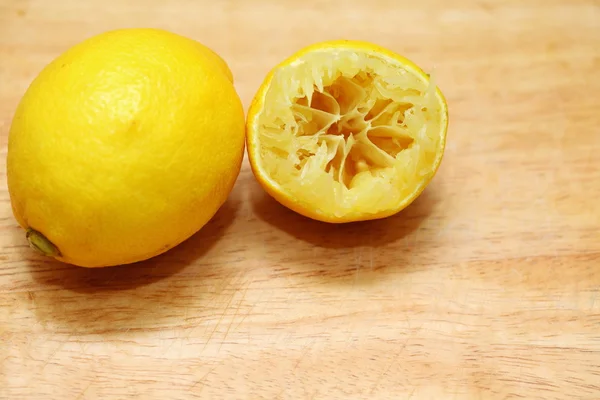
84 390
220 320
304 353
203 379
58 348
235 314
251 309
170 346
389 366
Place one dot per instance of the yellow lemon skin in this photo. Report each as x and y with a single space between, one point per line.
124 146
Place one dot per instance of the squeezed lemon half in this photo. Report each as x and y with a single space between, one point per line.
344 131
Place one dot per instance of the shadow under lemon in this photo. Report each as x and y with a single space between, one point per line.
337 252
158 292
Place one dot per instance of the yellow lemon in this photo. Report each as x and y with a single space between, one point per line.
346 131
124 146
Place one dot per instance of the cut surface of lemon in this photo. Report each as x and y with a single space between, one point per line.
345 131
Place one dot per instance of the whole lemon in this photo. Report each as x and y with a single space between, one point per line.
124 146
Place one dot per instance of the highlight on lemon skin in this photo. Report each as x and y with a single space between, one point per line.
345 131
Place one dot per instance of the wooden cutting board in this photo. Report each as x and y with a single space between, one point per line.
487 287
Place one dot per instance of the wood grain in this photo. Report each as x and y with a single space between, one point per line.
487 287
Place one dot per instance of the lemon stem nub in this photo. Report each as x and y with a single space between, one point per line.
41 244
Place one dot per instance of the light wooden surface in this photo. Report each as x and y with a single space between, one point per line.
488 287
